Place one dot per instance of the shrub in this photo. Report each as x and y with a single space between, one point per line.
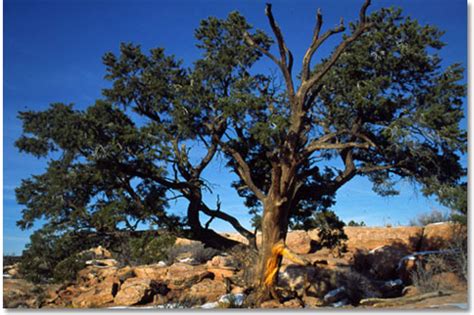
354 223
197 251
46 250
246 260
434 216
147 248
67 269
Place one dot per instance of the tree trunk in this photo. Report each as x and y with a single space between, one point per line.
207 236
274 230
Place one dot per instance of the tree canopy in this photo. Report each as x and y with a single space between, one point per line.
380 105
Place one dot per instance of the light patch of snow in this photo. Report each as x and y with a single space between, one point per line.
394 283
235 299
376 249
161 263
333 293
210 305
424 253
7 276
340 303
440 223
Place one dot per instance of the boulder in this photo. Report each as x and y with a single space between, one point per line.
184 241
221 273
363 237
437 236
384 261
299 242
92 275
139 291
296 278
153 272
19 293
12 270
207 290
310 301
98 296
181 275
223 262
294 303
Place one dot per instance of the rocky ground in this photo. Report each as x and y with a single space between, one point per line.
375 272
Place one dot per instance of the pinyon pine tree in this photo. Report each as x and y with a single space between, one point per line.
380 105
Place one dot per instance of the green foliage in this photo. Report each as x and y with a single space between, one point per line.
115 165
196 251
50 257
149 248
66 270
354 223
434 216
331 231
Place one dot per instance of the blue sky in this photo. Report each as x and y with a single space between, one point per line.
53 50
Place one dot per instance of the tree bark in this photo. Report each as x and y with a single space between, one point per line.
274 230
207 236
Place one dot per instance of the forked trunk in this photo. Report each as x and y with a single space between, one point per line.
199 233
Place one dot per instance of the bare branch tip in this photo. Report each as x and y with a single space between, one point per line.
268 9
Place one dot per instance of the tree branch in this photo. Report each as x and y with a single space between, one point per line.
243 169
228 218
363 25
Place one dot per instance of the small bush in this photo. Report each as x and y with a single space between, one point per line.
246 260
67 269
148 249
434 216
197 251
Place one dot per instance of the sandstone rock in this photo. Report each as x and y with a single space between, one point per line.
224 262
299 242
295 277
19 293
208 290
98 296
98 252
449 281
138 290
271 304
295 303
437 236
310 301
410 290
12 270
384 261
154 272
182 275
93 274
220 273
237 290
110 262
184 241
372 237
